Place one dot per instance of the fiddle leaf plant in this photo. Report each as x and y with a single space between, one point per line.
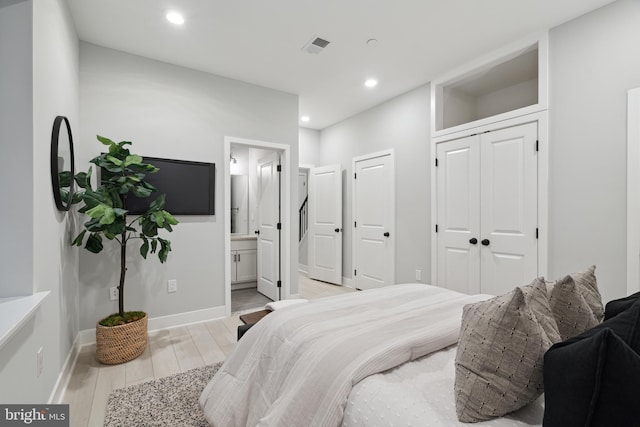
123 174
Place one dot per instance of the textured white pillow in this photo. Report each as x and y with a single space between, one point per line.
572 312
500 352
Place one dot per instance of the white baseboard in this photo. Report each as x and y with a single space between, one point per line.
347 282
304 269
65 373
246 285
88 336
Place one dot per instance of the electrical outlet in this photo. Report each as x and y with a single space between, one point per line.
40 362
418 275
113 293
172 286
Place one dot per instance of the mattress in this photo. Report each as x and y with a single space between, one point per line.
420 393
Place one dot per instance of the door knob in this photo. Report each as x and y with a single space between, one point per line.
257 232
386 234
337 230
485 242
473 241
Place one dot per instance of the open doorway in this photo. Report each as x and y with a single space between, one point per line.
258 229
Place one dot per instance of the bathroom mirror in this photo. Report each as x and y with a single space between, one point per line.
62 163
239 204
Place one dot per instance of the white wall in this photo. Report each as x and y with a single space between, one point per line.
16 143
593 62
53 81
174 112
309 146
403 124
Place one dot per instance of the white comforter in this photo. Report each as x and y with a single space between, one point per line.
297 366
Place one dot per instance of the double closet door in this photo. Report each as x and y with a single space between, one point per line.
487 210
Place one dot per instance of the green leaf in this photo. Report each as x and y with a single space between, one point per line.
144 248
158 203
158 218
149 228
133 159
165 248
78 240
94 243
92 199
169 218
154 245
141 192
76 198
117 227
126 187
108 216
133 178
105 141
119 212
64 178
94 225
109 235
83 179
115 161
98 211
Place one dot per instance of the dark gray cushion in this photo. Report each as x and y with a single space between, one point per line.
615 307
592 379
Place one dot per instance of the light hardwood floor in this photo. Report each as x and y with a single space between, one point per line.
170 351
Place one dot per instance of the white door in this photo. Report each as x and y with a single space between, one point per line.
373 214
268 212
325 224
508 210
487 211
458 187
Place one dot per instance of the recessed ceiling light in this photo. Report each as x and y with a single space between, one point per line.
371 83
305 118
174 17
372 42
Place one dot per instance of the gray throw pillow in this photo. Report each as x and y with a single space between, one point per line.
500 352
570 309
588 288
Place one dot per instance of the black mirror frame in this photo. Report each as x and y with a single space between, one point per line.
62 205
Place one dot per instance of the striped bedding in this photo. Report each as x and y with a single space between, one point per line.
297 366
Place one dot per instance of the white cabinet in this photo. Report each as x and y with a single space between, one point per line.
487 214
244 256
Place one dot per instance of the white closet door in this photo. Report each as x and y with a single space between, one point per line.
508 208
268 217
325 224
458 187
374 204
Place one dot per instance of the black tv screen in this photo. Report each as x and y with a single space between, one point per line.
189 187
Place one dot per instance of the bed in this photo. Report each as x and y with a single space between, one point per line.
353 360
420 393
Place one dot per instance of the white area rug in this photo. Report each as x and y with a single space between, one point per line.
169 401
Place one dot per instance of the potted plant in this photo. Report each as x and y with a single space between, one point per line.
121 336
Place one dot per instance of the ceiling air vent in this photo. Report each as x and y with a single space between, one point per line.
315 45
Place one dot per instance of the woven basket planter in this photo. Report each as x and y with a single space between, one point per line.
119 344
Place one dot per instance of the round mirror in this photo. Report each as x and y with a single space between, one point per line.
62 163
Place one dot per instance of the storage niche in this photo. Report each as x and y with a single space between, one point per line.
508 83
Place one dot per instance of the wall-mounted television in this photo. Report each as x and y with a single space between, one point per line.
189 187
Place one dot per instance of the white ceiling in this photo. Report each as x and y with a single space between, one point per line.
260 41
